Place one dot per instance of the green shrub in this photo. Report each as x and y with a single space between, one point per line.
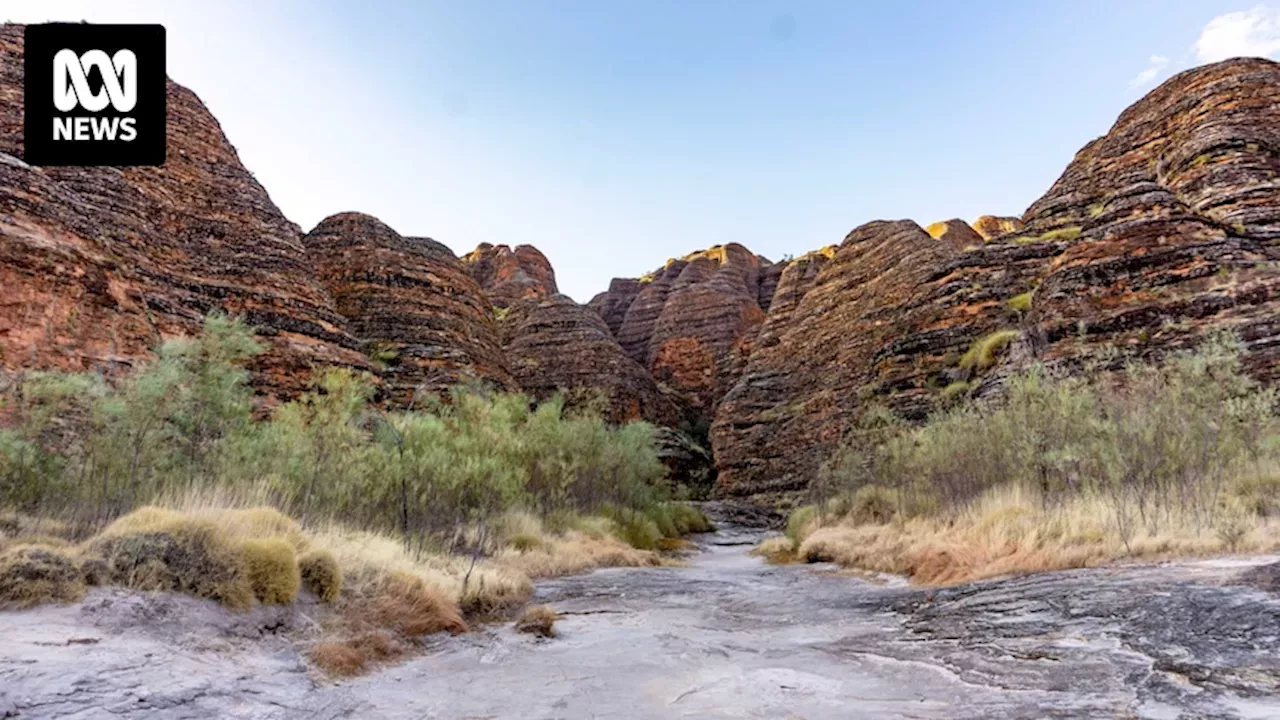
1062 234
954 390
688 519
634 528
660 514
321 575
273 570
873 504
800 523
1020 302
88 451
1160 443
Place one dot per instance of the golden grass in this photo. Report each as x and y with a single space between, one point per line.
982 354
156 549
591 545
777 549
228 548
273 570
538 620
33 574
354 655
320 574
1009 532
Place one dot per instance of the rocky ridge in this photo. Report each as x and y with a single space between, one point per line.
99 264
423 320
693 321
1158 234
509 275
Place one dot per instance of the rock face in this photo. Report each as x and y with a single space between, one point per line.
99 264
423 321
692 322
956 232
1170 224
507 276
613 304
992 226
883 318
554 345
1164 230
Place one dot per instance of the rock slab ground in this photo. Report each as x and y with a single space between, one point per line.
725 637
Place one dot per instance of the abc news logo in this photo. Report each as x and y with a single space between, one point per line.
95 94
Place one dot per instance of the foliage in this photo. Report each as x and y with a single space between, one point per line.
1020 302
89 450
1163 443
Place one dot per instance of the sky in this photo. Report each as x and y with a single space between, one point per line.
614 135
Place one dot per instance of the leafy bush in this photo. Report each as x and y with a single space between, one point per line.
634 528
1161 442
89 450
800 523
688 519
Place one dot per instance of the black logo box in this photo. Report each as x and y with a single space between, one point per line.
43 42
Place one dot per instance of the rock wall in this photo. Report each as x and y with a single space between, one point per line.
1162 231
1170 224
100 264
507 276
421 318
957 233
554 345
691 323
1159 233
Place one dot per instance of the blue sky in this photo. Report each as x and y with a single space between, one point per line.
613 135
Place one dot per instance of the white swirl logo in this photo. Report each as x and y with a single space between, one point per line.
71 80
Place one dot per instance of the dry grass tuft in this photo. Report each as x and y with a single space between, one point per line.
321 575
273 570
984 351
409 605
344 658
574 552
35 574
1009 531
538 620
162 550
778 549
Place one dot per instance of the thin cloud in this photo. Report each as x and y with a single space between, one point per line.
1155 66
1248 33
